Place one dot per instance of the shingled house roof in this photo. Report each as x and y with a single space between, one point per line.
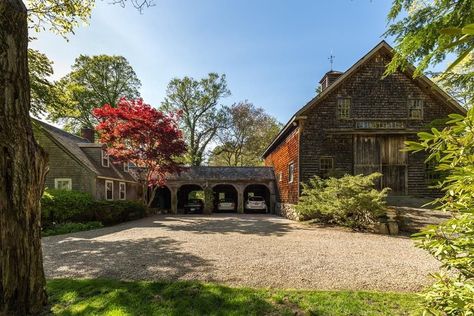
74 145
224 173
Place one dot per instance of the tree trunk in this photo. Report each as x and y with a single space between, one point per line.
22 173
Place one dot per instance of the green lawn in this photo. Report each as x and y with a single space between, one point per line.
110 297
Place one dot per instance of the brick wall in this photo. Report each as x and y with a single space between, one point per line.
280 159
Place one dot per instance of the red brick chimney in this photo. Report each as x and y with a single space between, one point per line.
88 133
329 79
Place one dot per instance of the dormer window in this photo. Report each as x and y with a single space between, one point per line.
126 167
105 158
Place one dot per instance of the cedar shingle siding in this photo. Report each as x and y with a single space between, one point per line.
75 158
371 137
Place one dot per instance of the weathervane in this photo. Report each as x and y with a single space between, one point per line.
331 59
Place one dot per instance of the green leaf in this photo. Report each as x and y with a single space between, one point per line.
451 31
468 29
459 59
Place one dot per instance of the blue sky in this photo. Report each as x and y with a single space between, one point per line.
273 52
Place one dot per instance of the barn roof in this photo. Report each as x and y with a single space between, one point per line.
382 46
224 173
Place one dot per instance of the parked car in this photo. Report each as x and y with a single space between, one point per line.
193 206
256 203
226 205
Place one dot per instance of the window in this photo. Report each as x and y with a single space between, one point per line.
344 108
105 158
280 176
415 109
109 190
126 167
122 191
326 164
63 184
291 172
432 175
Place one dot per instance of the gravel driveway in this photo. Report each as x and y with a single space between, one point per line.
249 250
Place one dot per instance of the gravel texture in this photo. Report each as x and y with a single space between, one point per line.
248 250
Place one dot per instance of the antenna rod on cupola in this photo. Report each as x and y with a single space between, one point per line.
331 60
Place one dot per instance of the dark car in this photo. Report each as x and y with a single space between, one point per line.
193 206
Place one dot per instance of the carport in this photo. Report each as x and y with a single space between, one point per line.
162 199
257 190
225 192
235 183
187 192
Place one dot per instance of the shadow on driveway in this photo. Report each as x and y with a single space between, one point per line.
137 259
262 225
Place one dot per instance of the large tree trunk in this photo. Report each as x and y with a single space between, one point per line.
22 173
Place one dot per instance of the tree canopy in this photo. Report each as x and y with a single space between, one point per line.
428 33
93 82
248 131
202 116
137 133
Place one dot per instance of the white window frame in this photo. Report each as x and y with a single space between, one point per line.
106 197
291 172
124 186
126 167
57 180
105 157
280 176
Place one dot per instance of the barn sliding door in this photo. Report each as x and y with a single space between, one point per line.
382 154
394 164
366 155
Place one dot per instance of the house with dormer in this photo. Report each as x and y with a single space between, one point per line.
81 164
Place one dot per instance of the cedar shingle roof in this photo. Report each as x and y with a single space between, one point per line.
225 173
74 146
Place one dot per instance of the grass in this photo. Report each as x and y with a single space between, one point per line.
67 228
113 298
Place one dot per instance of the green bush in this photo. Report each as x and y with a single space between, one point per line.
60 206
113 212
67 228
350 200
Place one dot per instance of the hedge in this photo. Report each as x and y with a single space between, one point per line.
60 206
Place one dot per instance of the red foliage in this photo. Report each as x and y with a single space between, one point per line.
138 133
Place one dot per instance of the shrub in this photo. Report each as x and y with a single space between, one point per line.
113 212
451 242
60 206
350 200
67 228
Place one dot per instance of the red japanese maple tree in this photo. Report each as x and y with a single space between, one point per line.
137 133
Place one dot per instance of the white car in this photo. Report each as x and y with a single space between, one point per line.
256 203
226 205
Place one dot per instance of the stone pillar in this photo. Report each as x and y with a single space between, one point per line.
208 199
174 200
240 199
272 188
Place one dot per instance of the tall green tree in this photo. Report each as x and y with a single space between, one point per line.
428 33
23 164
44 93
249 130
93 82
202 115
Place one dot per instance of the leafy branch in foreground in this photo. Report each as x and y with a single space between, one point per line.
451 242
